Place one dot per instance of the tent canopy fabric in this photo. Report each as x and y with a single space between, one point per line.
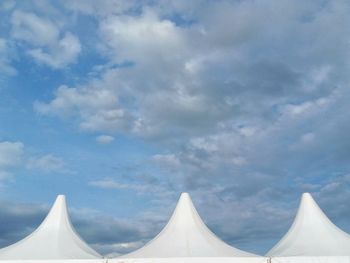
309 259
312 234
186 235
54 239
199 260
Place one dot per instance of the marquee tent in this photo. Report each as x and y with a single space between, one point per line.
187 239
312 238
55 239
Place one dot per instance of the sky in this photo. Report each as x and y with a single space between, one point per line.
122 105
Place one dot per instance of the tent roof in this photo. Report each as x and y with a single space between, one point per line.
186 235
55 238
312 234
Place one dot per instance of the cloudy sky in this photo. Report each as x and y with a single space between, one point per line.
123 105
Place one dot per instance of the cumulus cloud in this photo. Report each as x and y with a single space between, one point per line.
48 44
5 58
15 156
11 154
104 139
98 107
8 5
143 38
201 84
48 163
111 184
33 29
142 185
168 159
60 55
200 87
103 8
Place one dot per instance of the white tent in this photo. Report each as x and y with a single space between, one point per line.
55 239
187 239
312 238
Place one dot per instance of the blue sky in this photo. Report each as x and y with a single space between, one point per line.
123 105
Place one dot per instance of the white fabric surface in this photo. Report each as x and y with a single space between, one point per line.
186 235
100 260
55 238
321 259
193 260
312 234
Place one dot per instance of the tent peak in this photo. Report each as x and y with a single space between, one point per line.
185 212
60 199
185 195
312 234
185 199
58 213
55 238
309 204
306 196
186 235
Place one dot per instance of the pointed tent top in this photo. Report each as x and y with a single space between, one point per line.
306 195
55 238
186 235
312 234
58 213
306 198
184 195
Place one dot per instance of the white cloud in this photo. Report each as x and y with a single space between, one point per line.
167 159
8 4
47 163
4 175
48 43
143 38
82 99
33 29
203 78
317 78
203 91
168 93
310 107
13 155
62 53
5 58
111 184
96 106
100 8
104 139
307 137
117 249
10 153
238 160
143 186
